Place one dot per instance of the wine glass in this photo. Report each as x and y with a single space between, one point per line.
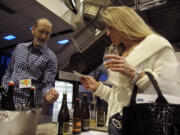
108 50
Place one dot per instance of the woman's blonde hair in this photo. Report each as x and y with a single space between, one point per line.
127 21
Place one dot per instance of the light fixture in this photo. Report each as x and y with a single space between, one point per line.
9 37
71 4
63 42
91 10
92 7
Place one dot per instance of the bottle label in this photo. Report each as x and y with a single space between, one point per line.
93 123
67 128
76 125
100 119
85 124
93 115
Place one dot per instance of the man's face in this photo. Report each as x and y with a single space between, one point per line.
41 33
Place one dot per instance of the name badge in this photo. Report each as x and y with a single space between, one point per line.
25 83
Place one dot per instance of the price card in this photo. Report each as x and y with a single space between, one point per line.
25 83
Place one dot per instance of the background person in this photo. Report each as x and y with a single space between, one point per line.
36 62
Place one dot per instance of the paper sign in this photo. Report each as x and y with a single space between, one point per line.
79 75
26 83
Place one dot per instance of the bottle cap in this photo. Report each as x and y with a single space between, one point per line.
11 83
32 88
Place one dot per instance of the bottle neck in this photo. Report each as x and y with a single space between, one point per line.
76 113
64 102
2 90
76 105
93 106
85 100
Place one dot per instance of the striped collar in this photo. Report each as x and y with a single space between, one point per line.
42 49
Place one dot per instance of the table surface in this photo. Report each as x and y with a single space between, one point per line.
51 129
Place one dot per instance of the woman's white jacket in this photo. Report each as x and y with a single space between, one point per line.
154 54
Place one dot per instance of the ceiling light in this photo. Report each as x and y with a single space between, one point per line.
63 42
9 37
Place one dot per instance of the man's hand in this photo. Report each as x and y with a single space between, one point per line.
51 96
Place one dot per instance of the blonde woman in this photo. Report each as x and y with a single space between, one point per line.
144 50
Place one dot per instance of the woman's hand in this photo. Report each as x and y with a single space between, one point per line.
89 83
119 64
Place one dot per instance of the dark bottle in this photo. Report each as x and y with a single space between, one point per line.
84 113
76 118
63 115
7 98
3 96
30 102
1 89
100 114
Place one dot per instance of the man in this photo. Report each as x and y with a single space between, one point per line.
33 64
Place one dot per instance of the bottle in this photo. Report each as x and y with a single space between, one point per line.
63 115
30 102
1 89
84 114
11 95
100 114
3 97
93 114
76 118
7 98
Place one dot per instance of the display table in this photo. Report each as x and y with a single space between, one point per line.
51 129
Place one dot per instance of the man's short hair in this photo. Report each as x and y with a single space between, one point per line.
37 21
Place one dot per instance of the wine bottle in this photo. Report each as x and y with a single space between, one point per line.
63 115
93 114
76 118
84 114
1 89
100 114
30 102
7 98
3 97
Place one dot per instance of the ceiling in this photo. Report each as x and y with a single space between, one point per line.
17 16
165 19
